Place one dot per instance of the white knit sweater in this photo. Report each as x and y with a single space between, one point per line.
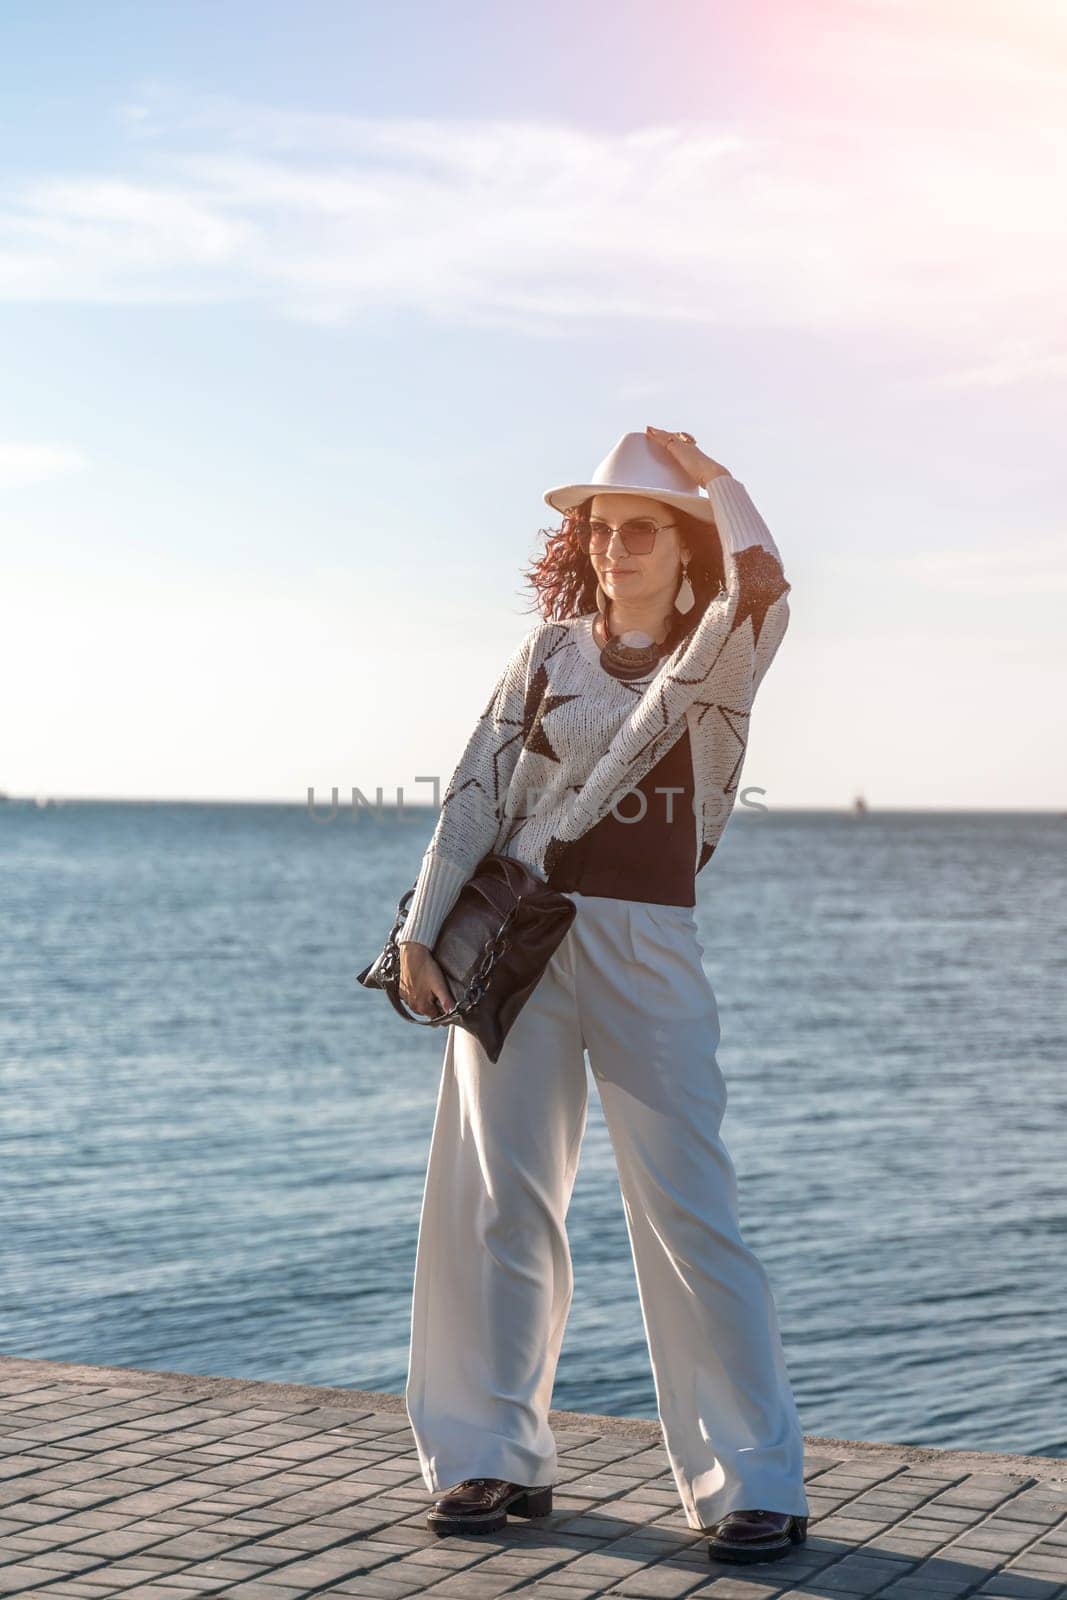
561 741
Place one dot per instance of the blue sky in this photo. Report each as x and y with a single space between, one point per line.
303 307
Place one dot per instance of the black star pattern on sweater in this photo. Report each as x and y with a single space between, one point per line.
537 707
555 850
761 581
717 705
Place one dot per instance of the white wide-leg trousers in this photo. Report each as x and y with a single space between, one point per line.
493 1276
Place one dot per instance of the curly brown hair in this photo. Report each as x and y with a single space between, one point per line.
565 582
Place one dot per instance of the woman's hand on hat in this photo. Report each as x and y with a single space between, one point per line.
690 457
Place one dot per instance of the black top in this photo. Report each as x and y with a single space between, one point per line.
648 857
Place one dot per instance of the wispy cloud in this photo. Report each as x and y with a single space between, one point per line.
1008 362
24 464
804 216
1023 565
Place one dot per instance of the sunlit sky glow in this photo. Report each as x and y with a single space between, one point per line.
303 308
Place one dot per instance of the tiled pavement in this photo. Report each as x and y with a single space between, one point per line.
163 1486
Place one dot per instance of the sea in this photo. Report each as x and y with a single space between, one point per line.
213 1139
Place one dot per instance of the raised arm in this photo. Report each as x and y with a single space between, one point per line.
756 592
719 665
472 807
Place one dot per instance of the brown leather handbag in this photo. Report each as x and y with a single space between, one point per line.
492 947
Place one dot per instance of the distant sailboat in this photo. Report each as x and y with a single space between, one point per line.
859 806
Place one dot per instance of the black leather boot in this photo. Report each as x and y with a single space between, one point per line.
755 1535
482 1505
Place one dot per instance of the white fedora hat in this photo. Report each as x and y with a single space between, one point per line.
637 465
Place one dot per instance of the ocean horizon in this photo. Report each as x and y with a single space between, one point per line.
213 1139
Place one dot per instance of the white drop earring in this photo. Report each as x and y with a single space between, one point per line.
685 599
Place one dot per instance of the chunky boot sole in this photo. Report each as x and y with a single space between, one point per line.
724 1550
524 1503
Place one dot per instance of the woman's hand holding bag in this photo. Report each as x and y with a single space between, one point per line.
491 951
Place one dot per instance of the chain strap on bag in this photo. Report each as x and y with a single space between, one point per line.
493 947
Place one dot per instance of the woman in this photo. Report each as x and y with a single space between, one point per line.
663 608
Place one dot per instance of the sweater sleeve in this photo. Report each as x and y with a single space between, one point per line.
723 660
717 667
756 585
473 805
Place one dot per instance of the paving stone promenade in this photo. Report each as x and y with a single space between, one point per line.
163 1486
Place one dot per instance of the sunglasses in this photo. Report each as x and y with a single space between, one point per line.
638 535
